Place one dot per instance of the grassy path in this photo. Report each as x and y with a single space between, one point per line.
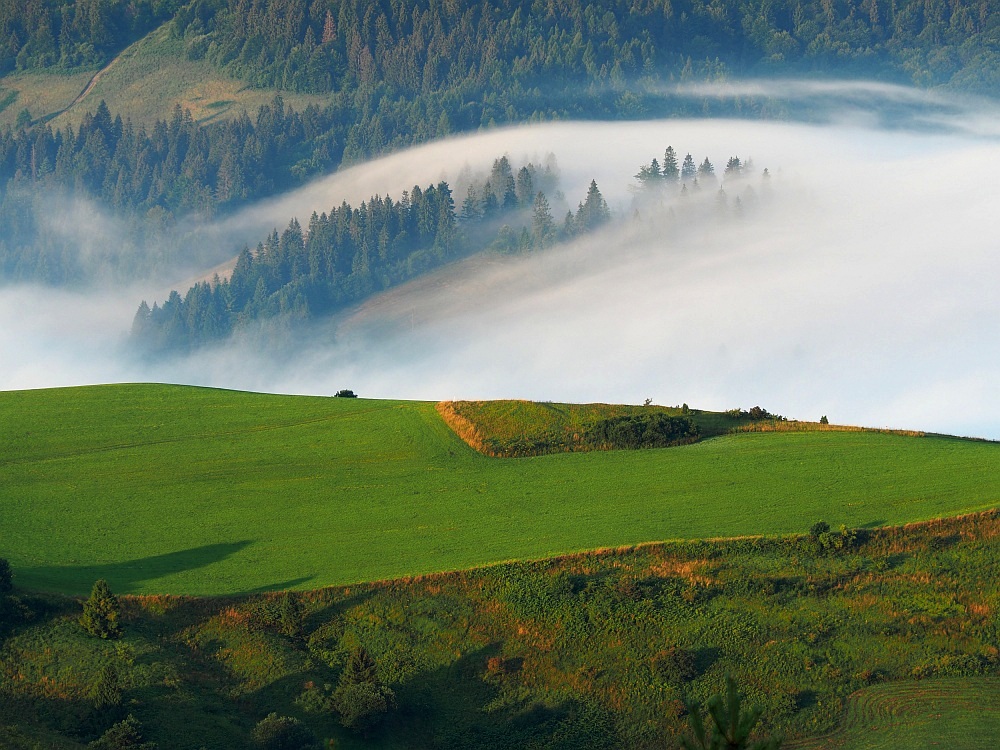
187 490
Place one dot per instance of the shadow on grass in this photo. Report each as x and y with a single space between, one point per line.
452 707
125 577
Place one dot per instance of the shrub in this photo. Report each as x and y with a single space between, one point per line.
275 732
345 393
641 431
818 528
125 735
363 705
101 612
675 665
360 698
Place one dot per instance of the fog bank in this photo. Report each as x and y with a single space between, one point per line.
863 290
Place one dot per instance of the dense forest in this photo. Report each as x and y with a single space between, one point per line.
348 253
71 33
399 73
148 178
497 51
343 256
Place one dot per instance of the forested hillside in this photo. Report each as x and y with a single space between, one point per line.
347 254
148 178
395 74
71 33
515 53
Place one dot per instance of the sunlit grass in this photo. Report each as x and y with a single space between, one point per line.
178 489
144 84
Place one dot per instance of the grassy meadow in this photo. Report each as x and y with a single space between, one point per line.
888 639
171 489
142 84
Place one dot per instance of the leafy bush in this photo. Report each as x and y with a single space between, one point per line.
125 735
275 732
655 430
675 665
820 527
363 705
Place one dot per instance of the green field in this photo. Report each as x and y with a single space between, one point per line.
176 489
947 713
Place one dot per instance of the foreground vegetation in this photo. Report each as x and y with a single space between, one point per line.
172 489
510 429
864 630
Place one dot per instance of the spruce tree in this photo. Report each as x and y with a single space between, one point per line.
543 228
593 211
360 698
101 612
706 172
671 172
688 168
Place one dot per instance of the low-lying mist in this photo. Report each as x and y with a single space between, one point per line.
861 289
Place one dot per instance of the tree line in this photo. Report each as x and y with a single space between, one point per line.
400 73
72 33
147 177
345 255
473 49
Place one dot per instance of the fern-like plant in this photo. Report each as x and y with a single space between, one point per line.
731 724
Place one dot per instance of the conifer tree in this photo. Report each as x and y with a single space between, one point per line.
706 172
593 211
101 612
671 172
688 168
360 698
543 228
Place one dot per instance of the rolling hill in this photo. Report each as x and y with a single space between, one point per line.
172 489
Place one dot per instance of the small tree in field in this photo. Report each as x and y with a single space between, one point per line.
101 612
360 698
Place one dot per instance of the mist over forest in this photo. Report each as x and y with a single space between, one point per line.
860 289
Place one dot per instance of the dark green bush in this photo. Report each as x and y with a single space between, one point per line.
655 430
101 612
283 733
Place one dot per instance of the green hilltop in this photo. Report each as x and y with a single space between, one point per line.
173 489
